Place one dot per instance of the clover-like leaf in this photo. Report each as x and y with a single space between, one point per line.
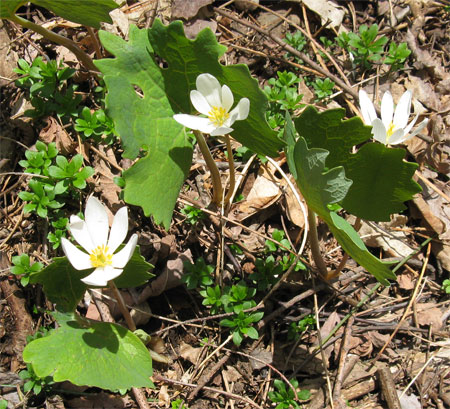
321 187
98 354
143 97
381 178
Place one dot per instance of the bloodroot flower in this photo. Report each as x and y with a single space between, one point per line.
92 235
214 101
393 127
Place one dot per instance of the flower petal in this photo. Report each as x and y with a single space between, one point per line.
97 221
195 122
379 131
367 109
223 130
79 259
120 259
209 86
241 109
387 109
227 97
403 110
422 125
199 102
101 275
119 229
397 137
411 124
80 233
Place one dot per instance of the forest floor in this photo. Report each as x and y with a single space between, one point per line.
381 347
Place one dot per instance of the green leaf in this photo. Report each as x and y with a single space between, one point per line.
382 180
146 121
320 188
135 273
87 12
8 7
103 355
62 283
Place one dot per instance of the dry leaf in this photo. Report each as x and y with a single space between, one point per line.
187 9
262 355
163 396
54 132
330 13
262 194
429 315
190 353
233 375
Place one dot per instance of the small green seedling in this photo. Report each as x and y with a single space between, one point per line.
198 274
70 173
297 328
60 225
323 88
33 382
23 267
40 199
193 215
242 324
446 286
397 55
37 162
96 124
285 397
296 40
212 297
267 273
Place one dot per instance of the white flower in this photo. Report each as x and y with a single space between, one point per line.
92 235
215 102
392 128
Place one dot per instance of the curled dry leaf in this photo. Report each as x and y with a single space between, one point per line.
54 132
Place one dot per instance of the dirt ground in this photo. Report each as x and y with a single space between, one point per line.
382 347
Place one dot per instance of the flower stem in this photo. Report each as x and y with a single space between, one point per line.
56 38
314 243
123 309
232 170
215 175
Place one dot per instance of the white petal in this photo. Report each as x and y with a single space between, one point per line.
120 259
209 86
101 275
411 124
397 137
200 103
78 259
422 125
387 109
97 221
379 131
80 233
223 130
367 109
241 109
227 98
195 122
119 229
403 110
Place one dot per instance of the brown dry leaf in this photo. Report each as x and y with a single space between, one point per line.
378 339
105 185
424 92
163 396
263 355
187 9
406 280
54 132
263 193
429 315
170 278
233 375
190 353
326 328
329 12
192 28
294 211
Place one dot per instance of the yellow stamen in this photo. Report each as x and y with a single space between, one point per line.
218 116
100 256
390 129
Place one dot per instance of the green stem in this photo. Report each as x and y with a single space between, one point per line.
314 243
232 170
123 308
56 38
215 175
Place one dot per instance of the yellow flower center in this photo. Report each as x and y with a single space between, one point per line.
218 116
100 256
390 130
